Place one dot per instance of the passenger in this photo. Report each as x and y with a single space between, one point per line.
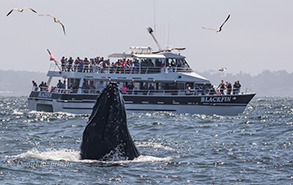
235 87
63 63
212 90
76 64
80 65
45 86
97 62
59 84
100 87
64 84
112 67
35 86
105 65
187 90
170 69
196 89
52 89
107 62
41 86
135 67
92 65
71 88
92 88
229 87
218 92
201 90
158 63
127 67
222 87
117 66
86 65
85 86
238 87
206 88
151 87
130 86
122 64
124 89
69 66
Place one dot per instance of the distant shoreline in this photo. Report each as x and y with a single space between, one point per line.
266 84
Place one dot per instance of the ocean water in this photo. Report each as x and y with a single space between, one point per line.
255 147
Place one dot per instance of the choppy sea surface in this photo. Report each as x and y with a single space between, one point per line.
255 147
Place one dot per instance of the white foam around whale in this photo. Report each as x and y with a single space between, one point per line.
70 155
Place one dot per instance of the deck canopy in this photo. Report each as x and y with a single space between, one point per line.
158 56
121 55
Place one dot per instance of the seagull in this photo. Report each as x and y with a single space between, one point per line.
21 10
222 69
220 28
55 20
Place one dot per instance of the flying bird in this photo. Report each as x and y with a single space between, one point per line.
55 20
21 10
220 28
222 69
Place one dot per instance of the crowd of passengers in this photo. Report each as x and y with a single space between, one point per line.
99 64
199 89
209 89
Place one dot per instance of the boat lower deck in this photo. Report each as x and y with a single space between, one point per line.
193 104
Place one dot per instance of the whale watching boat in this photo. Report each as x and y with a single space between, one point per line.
150 81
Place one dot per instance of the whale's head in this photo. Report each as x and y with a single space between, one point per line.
106 134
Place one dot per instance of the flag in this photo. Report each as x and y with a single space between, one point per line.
52 57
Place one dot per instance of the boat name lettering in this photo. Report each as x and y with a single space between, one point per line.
45 95
215 99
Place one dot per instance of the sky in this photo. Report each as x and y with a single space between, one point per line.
257 37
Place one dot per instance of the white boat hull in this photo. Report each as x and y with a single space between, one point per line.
85 107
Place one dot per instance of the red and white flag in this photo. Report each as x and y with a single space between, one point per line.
52 58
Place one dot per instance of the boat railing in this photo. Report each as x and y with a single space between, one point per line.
134 92
179 92
119 70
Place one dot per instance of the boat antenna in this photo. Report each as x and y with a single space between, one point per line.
150 30
155 15
168 34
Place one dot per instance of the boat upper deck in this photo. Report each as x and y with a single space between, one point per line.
165 66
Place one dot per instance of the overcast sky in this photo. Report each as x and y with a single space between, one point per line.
257 37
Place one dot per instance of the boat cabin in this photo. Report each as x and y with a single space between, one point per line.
141 70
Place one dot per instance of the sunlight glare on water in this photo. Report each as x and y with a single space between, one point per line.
252 148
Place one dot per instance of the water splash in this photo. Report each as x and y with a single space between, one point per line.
70 155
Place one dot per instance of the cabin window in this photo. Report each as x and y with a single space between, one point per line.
190 84
158 63
180 85
179 63
73 83
147 63
171 62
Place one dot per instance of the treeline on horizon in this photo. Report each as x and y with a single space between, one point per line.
268 83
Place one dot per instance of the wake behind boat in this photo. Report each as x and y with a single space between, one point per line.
149 81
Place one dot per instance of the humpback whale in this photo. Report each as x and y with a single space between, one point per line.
106 136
